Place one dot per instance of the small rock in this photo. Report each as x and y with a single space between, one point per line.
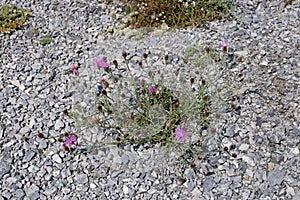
248 160
208 184
244 147
125 189
24 130
81 178
196 193
19 193
58 125
275 177
4 168
28 156
295 151
57 158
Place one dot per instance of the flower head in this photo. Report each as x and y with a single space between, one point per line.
100 63
181 134
152 89
224 44
74 69
70 142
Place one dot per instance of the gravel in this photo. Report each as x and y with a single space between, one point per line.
254 153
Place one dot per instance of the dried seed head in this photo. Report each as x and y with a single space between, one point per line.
207 49
115 63
166 57
213 130
124 54
40 135
199 157
132 139
182 180
176 104
118 138
145 55
105 83
240 75
192 80
66 112
225 148
140 63
206 113
240 59
99 108
193 165
24 139
104 92
218 115
66 148
203 81
66 134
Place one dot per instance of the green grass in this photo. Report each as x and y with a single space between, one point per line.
176 13
11 18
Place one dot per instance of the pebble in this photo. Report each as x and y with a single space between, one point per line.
275 177
57 158
28 156
81 178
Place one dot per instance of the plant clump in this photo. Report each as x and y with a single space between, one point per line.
176 13
12 18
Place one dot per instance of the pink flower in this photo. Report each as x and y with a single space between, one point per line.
100 63
152 89
73 68
181 134
224 44
70 142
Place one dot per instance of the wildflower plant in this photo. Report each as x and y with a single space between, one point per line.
12 18
141 102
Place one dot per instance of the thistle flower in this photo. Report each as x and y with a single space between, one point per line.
181 134
152 90
224 45
101 63
73 68
70 142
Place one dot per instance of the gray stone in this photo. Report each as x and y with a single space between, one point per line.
81 178
275 177
28 156
57 158
24 130
19 193
58 125
208 184
4 168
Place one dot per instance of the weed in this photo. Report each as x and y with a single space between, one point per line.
176 13
45 40
12 18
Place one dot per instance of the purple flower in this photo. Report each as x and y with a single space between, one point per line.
224 44
70 142
152 89
73 68
181 134
100 63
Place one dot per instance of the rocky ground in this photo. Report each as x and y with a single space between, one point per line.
261 134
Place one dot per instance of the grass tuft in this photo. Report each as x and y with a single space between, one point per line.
11 18
176 13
